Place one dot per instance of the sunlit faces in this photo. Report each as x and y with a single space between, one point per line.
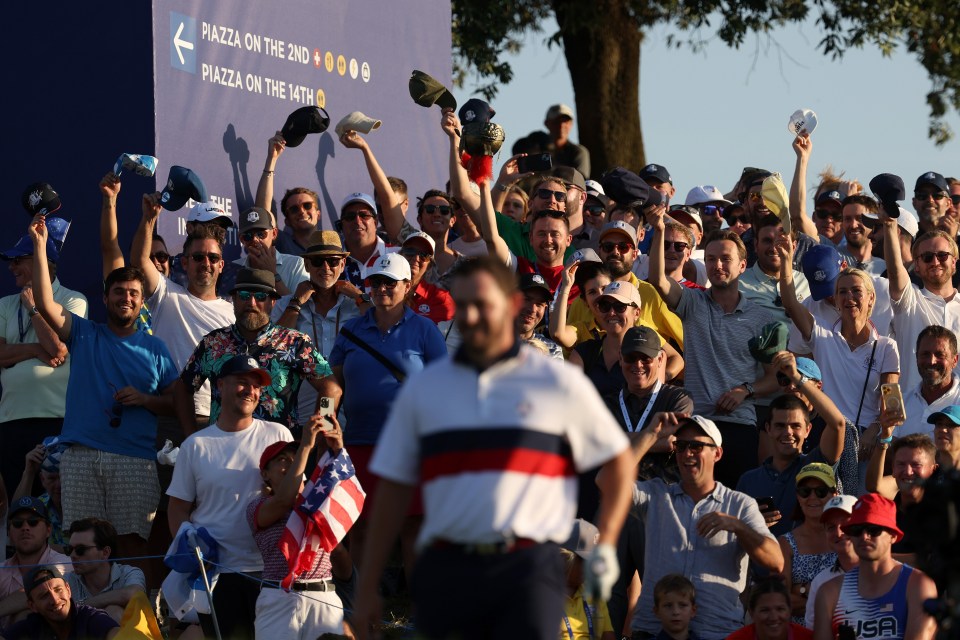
277 468
301 212
387 292
854 230
832 521
935 261
936 361
675 610
771 616
812 494
765 241
252 309
787 429
203 262
724 263
828 218
618 253
436 216
855 296
532 310
641 371
324 270
240 393
22 269
696 463
549 238
515 207
593 289
931 204
910 468
946 436
123 301
359 225
871 542
676 249
549 194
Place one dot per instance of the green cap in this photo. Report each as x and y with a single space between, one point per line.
771 340
426 91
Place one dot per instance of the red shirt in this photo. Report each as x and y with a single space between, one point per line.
551 275
430 301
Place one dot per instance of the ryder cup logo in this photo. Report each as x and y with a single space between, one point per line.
253 216
34 199
820 275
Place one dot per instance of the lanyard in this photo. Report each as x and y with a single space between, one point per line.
586 610
23 331
646 412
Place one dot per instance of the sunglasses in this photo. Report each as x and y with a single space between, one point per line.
941 256
160 256
387 283
319 261
822 492
823 214
735 220
711 210
679 247
545 194
415 253
633 358
595 209
695 446
202 257
306 206
444 209
955 199
936 195
81 549
783 380
116 411
622 247
755 196
605 306
857 530
259 296
17 523
248 236
351 216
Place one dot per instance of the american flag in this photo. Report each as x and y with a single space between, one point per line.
331 501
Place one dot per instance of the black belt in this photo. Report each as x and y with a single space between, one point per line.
486 548
319 585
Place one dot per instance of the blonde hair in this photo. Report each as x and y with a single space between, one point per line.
936 233
867 284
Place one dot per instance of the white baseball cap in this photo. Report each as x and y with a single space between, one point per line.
356 121
392 265
420 235
842 503
907 221
704 193
207 211
709 427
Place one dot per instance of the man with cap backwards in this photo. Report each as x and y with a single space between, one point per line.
182 315
55 614
322 304
258 236
917 307
288 355
931 200
216 477
28 531
35 366
698 528
536 297
559 123
109 471
512 432
880 598
720 372
206 214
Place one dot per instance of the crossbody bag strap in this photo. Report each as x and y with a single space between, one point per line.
863 393
379 357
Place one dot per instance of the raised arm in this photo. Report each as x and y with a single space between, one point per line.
801 317
488 226
875 481
52 349
140 250
668 288
896 272
509 176
459 182
798 201
109 244
835 426
275 147
59 319
560 331
388 200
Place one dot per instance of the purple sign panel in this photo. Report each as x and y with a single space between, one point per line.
227 75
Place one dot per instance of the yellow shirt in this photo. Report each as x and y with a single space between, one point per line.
574 614
653 313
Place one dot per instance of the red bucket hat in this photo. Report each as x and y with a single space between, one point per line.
873 508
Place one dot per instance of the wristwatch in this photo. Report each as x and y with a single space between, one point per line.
363 298
33 311
749 388
802 379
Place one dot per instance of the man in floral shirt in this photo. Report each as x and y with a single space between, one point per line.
286 354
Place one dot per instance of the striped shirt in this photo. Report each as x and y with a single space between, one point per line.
882 618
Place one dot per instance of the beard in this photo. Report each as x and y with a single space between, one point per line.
618 268
253 320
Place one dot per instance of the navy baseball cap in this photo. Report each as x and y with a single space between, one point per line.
242 365
182 185
830 196
303 121
626 187
821 266
656 172
29 503
932 178
888 188
476 110
24 247
40 199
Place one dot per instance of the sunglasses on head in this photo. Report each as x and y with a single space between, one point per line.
605 306
410 252
936 195
622 247
81 549
248 236
377 282
546 194
695 446
160 256
259 296
351 216
199 256
941 256
330 261
444 209
822 492
679 247
823 214
17 523
857 530
306 206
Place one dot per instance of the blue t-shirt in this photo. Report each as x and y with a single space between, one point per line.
369 388
101 364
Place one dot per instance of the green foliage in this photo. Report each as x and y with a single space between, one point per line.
483 30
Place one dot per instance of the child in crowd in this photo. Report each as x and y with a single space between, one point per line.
675 604
582 618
